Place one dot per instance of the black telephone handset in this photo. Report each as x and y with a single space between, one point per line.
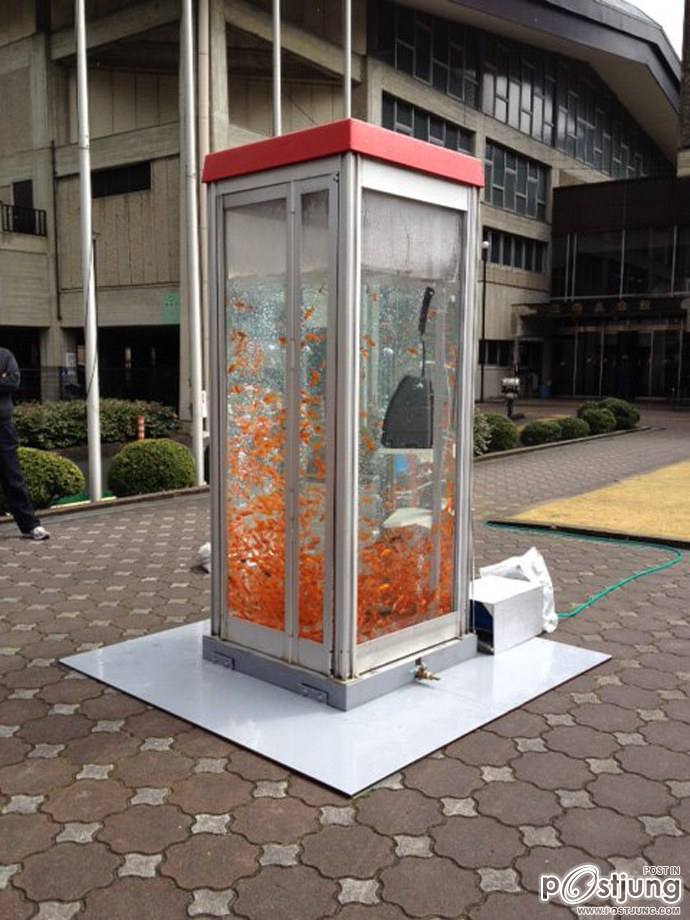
424 310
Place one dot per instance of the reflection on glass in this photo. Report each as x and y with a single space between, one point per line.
312 431
598 264
406 514
255 325
681 281
648 261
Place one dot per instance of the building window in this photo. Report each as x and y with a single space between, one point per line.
497 352
598 263
515 183
556 100
121 180
415 122
515 251
640 261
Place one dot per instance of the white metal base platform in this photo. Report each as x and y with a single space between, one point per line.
348 751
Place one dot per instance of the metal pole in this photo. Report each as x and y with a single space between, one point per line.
482 341
277 78
204 67
347 58
93 419
192 221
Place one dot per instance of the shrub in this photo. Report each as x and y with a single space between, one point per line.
599 420
573 428
52 425
627 416
482 433
503 433
156 465
540 432
586 406
48 477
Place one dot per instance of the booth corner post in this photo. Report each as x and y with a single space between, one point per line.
90 318
335 570
482 341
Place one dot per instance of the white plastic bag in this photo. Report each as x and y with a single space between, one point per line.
529 567
203 558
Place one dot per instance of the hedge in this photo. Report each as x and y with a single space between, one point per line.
540 432
504 433
627 416
55 425
156 465
48 477
572 428
482 433
599 420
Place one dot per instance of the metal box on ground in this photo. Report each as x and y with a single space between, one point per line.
505 611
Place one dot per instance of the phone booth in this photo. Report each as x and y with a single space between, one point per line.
342 340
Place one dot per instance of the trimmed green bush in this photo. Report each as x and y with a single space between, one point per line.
504 433
586 406
572 428
48 477
599 420
482 433
156 465
627 416
540 432
54 425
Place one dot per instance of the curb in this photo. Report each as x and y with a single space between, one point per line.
661 542
112 503
200 490
500 454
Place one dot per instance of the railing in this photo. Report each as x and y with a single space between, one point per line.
23 220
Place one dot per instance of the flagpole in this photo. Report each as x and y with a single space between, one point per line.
277 74
93 419
192 220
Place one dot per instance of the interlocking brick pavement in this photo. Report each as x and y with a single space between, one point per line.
110 809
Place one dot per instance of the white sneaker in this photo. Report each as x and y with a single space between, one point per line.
38 533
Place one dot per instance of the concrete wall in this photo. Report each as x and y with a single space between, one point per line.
15 96
16 20
121 101
304 105
24 288
138 238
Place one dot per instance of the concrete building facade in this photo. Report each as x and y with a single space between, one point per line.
549 93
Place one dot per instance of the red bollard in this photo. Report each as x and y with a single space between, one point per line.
141 431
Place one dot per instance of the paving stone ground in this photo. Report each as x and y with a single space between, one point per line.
110 809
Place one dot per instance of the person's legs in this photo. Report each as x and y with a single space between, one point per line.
12 481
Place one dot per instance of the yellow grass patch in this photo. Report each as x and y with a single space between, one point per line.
654 505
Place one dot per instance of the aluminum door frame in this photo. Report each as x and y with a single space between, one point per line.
350 658
284 184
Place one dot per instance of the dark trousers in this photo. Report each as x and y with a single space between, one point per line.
12 480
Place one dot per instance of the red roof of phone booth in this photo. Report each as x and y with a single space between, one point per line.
347 135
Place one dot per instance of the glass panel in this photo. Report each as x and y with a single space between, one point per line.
255 325
665 356
588 362
314 295
648 261
682 279
408 395
598 264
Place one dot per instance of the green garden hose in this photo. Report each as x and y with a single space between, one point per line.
678 555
